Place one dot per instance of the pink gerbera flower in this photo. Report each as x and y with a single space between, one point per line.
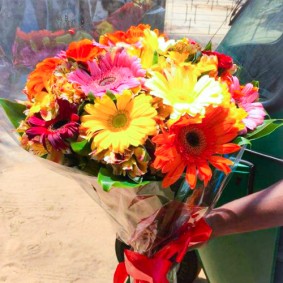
246 97
58 130
113 72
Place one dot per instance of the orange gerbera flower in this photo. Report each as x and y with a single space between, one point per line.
193 144
131 36
39 78
84 50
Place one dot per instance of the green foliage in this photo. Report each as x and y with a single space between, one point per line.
265 129
194 58
91 166
155 58
81 147
242 141
107 180
255 83
91 97
111 95
14 111
208 46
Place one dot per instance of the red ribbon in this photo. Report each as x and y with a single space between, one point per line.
155 269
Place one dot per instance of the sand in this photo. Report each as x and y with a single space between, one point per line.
51 230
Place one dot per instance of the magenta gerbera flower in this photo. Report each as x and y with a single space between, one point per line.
58 130
112 72
247 98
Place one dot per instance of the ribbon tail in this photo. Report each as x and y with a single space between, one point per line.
192 236
120 274
147 270
199 234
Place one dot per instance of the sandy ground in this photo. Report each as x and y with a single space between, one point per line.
51 230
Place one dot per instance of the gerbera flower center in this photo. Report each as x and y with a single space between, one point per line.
120 120
192 141
59 124
107 80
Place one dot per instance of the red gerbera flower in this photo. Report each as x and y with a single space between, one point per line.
58 130
225 62
193 144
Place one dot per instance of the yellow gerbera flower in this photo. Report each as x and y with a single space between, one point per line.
207 64
180 88
152 43
116 126
238 114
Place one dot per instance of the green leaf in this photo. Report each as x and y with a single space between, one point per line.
208 46
194 58
81 108
107 180
111 95
242 141
91 97
14 111
155 58
81 147
91 166
255 83
265 129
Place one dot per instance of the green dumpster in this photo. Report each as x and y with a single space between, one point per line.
255 42
248 257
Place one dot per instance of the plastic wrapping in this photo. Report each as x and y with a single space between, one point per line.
33 30
149 216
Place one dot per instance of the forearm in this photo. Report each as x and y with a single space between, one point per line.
258 211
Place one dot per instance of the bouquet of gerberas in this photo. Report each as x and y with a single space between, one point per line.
152 126
29 48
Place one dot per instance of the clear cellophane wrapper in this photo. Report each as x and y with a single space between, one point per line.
29 48
149 217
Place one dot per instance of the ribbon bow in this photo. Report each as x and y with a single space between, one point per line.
154 270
